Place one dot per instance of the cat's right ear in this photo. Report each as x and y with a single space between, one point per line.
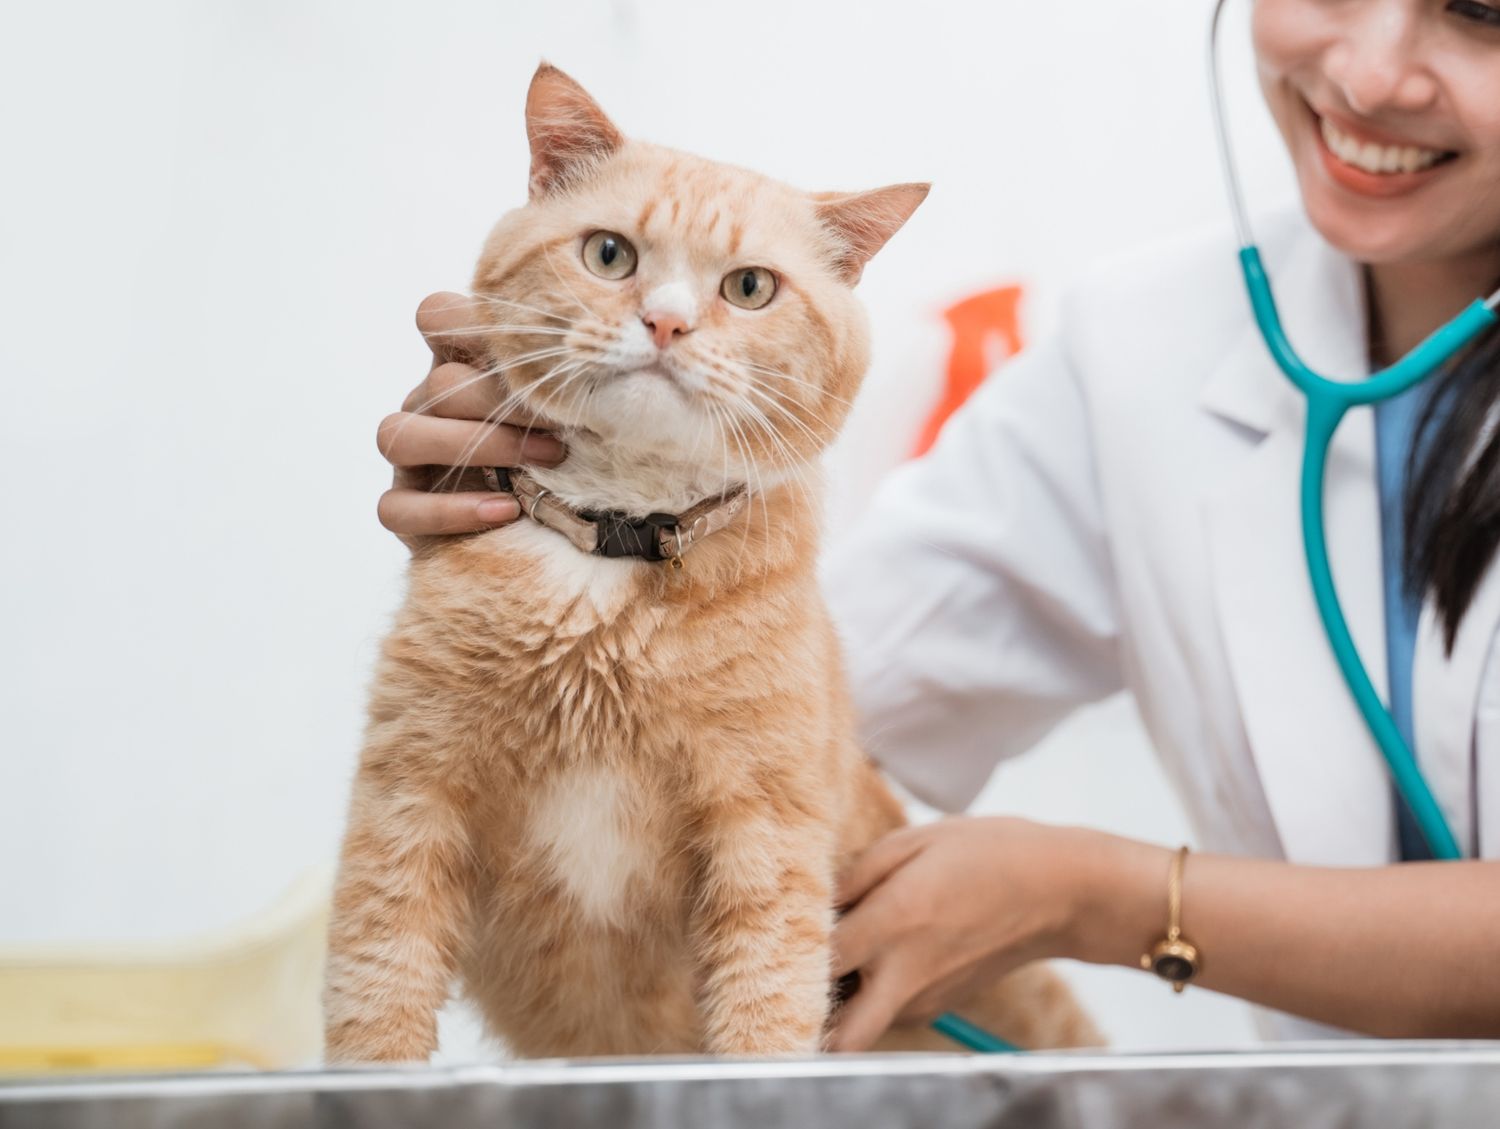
862 222
569 134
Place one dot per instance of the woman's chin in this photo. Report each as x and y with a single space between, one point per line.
1366 232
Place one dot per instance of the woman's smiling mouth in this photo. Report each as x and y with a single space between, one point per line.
1374 166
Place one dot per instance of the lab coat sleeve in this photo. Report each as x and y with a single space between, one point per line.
975 598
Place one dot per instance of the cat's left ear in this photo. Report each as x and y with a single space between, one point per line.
862 222
570 135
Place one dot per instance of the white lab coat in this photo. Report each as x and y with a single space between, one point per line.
1116 509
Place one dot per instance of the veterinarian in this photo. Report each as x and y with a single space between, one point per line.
1119 510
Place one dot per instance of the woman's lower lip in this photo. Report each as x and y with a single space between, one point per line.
1356 180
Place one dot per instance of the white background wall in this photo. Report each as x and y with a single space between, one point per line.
216 222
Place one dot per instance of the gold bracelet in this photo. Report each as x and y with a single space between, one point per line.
1174 958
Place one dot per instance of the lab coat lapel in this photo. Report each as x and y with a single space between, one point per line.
1323 777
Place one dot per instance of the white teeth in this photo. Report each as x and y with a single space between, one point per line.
1378 159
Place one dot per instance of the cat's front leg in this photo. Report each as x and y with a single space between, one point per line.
398 908
762 928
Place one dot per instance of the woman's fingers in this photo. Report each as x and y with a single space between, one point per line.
445 423
408 439
941 908
879 911
869 1013
416 513
931 1001
878 860
455 391
458 391
868 930
453 325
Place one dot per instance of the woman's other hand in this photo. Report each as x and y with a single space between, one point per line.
935 911
446 423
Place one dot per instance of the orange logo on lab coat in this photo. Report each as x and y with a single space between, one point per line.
986 332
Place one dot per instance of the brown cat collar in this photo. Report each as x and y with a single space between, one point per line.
611 533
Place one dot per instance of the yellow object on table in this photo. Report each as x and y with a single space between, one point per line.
243 996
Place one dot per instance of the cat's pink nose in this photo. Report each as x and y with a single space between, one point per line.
664 327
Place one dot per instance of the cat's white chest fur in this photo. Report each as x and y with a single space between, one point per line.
568 572
586 822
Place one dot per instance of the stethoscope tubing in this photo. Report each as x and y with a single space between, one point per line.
1323 416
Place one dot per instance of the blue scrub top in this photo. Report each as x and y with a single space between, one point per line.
1395 426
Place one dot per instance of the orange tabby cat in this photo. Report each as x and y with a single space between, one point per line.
610 793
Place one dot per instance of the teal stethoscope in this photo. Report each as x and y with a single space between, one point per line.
1327 401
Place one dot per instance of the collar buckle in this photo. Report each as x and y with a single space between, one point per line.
619 536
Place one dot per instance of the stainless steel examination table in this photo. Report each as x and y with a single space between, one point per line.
1340 1084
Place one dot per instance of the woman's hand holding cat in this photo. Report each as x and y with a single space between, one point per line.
936 911
446 422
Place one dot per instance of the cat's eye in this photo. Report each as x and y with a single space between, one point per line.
749 288
609 255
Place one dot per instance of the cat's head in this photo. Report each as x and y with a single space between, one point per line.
655 302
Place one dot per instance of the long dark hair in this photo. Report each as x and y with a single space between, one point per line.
1452 503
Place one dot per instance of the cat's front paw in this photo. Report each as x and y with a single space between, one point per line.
350 1043
792 1038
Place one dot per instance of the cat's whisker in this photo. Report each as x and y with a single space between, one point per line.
578 376
725 437
742 444
521 395
484 374
792 462
765 496
566 369
499 301
780 431
798 480
818 441
723 428
506 328
797 380
767 395
487 373
734 389
812 413
768 370
703 422
433 401
569 373
495 419
720 426
736 372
